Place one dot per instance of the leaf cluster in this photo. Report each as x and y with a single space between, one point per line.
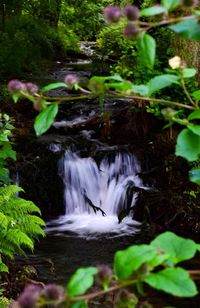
19 224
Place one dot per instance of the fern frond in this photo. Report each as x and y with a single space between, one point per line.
18 224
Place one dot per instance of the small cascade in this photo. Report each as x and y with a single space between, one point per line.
95 195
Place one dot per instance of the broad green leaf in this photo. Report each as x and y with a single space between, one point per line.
7 151
189 29
198 247
196 95
45 119
81 281
170 4
120 86
160 82
194 128
194 176
143 90
80 304
53 86
188 145
178 248
151 11
195 115
189 72
96 85
129 260
147 49
159 259
175 281
114 78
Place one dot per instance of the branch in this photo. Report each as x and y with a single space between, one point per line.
157 100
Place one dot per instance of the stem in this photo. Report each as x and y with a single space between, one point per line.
68 99
102 292
186 92
157 100
166 22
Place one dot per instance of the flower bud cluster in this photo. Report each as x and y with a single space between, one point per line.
17 86
34 294
71 80
113 14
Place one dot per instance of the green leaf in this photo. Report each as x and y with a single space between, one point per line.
196 95
3 267
80 304
129 260
189 72
175 281
195 115
188 145
151 11
96 85
147 49
198 247
53 86
178 248
194 128
120 86
143 90
7 151
194 176
170 4
16 97
160 82
189 29
81 281
114 78
45 118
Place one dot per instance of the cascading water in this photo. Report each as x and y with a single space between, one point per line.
95 195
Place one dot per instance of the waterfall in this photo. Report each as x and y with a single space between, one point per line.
94 195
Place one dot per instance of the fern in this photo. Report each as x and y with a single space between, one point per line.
19 225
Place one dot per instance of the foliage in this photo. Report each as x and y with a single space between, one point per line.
18 224
6 151
84 17
154 264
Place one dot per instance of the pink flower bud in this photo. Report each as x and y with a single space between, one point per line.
131 30
31 88
112 13
71 80
29 296
131 12
16 86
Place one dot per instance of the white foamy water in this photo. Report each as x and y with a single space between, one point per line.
95 195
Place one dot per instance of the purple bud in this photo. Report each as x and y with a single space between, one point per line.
29 296
53 292
31 88
131 12
71 80
16 86
112 13
131 30
105 271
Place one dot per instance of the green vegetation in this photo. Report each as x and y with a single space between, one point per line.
40 30
154 264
